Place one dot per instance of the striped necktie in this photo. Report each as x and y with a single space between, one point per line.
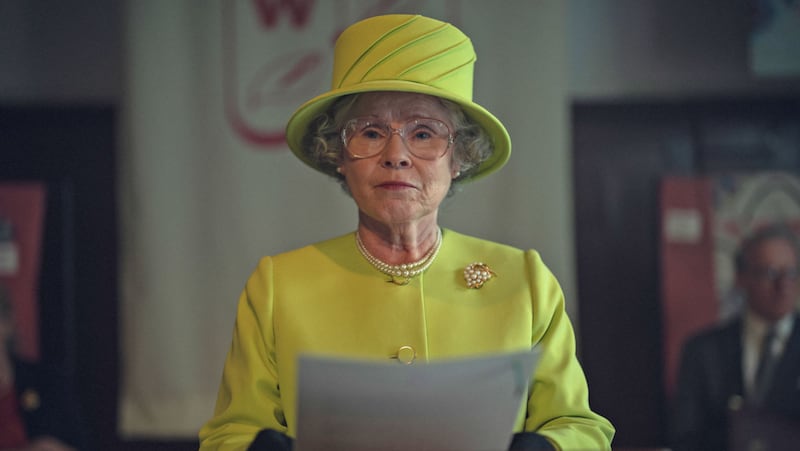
766 367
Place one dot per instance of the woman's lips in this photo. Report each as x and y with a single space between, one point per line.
394 185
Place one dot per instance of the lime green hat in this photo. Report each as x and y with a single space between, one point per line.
405 53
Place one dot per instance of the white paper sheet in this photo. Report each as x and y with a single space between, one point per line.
460 404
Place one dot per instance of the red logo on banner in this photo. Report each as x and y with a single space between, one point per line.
278 54
22 211
269 11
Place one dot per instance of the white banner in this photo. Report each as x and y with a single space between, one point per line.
208 187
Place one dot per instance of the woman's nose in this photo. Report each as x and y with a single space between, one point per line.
396 154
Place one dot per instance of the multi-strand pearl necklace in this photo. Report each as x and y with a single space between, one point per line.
403 273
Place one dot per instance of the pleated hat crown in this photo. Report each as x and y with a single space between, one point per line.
404 53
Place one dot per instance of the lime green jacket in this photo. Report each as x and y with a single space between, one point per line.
327 299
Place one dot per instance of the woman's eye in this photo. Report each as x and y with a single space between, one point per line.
371 134
422 135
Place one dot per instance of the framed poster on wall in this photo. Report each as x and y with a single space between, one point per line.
703 220
22 210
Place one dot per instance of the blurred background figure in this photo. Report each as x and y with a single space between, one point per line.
751 362
36 413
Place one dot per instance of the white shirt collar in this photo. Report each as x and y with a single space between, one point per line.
758 326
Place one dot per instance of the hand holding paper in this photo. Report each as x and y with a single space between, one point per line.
465 404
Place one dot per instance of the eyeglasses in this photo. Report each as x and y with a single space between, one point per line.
425 138
773 274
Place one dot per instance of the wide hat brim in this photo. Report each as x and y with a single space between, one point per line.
403 53
300 120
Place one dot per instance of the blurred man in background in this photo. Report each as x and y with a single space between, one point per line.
751 362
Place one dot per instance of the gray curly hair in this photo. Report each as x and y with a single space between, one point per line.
323 145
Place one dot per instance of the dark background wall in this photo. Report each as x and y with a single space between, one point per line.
70 149
621 152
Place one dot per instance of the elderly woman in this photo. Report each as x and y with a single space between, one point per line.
398 130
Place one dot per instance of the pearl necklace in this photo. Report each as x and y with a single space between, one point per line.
403 273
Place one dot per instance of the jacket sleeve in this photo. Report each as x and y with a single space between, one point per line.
691 423
558 403
249 398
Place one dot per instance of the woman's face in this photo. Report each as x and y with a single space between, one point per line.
395 186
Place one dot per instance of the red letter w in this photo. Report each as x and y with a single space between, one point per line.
270 10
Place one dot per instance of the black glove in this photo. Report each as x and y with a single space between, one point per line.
530 441
271 440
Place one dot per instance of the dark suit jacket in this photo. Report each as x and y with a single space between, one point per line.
710 374
47 406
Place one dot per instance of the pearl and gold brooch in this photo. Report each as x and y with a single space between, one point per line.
476 274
